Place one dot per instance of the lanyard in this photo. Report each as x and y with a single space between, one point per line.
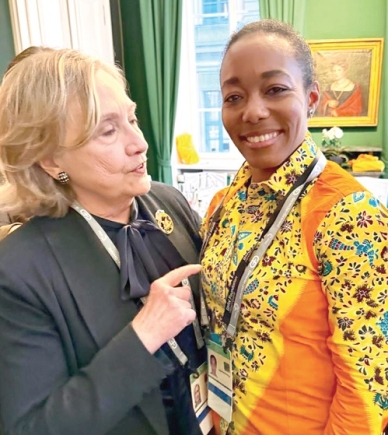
114 253
256 253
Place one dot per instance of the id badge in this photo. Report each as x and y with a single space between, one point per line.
198 388
220 380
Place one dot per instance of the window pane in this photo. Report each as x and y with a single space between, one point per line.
215 21
216 11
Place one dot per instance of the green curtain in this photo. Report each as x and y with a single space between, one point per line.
7 49
385 97
151 39
289 11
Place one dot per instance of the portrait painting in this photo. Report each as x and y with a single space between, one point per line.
349 75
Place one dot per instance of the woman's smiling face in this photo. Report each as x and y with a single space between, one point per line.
265 103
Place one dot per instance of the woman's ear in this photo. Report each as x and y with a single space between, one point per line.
50 167
313 96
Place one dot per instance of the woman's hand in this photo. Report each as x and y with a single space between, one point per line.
167 310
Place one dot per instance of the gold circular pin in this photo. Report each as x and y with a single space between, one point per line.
164 221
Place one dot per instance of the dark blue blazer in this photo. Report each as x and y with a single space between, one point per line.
70 362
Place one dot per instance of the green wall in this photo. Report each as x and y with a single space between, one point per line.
7 50
342 19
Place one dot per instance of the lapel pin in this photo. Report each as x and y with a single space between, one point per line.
164 221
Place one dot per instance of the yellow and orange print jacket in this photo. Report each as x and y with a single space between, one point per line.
311 351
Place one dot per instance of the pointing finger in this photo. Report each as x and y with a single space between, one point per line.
175 277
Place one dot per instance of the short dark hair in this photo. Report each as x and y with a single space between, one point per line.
298 44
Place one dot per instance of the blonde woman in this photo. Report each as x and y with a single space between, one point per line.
90 285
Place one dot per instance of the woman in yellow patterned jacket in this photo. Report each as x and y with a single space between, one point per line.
295 261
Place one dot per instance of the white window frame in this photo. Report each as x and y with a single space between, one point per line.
83 25
187 119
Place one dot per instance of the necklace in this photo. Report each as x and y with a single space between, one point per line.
340 89
337 96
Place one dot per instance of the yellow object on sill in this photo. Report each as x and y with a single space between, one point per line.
367 163
187 154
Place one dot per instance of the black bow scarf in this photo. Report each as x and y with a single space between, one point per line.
146 254
145 251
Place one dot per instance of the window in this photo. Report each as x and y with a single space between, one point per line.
82 25
207 26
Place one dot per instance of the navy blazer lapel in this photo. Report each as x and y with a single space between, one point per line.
179 236
91 276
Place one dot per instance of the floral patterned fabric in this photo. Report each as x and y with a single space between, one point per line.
311 351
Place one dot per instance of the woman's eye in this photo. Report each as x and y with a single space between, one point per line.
110 132
276 90
232 99
134 121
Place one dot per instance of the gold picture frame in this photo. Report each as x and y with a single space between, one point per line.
349 75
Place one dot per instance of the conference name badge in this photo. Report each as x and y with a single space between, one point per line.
198 388
220 380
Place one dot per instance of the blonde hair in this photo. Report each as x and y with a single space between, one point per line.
33 49
35 99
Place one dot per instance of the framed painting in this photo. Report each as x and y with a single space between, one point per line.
349 76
